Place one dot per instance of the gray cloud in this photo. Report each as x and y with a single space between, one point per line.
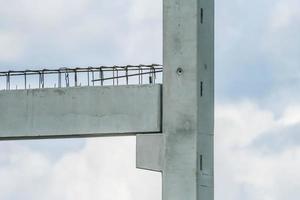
242 170
277 140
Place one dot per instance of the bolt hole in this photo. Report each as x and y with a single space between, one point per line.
179 71
201 162
201 15
201 88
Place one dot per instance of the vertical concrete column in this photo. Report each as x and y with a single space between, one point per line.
188 99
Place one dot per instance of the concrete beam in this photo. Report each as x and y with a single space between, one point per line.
80 112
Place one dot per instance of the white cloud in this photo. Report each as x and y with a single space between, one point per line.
11 46
285 13
21 171
243 171
104 169
242 122
281 41
42 14
291 115
85 32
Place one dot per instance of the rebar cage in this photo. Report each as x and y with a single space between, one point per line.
81 76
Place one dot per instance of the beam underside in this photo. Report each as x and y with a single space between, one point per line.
80 112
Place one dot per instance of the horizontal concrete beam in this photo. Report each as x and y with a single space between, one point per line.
80 112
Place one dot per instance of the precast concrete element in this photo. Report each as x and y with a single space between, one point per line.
174 136
149 152
188 99
80 112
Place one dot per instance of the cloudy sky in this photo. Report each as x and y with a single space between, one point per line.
257 153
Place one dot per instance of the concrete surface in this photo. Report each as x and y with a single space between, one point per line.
188 99
149 152
80 112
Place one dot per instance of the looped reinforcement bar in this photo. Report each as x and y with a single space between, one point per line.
81 76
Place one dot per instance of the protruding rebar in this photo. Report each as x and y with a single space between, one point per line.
107 75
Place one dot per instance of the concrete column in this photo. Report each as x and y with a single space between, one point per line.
188 99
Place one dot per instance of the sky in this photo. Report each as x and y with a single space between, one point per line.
257 120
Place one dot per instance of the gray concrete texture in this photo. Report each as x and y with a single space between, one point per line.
188 99
80 112
149 152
